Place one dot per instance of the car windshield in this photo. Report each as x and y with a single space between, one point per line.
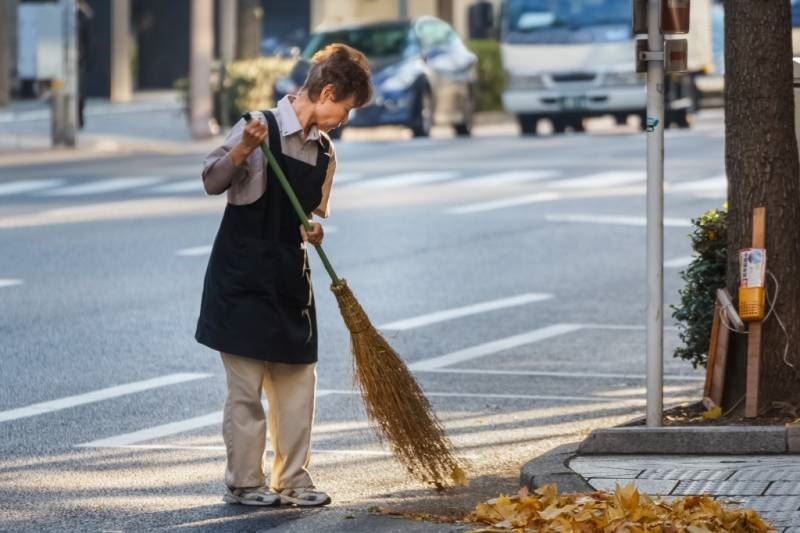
796 13
374 41
553 21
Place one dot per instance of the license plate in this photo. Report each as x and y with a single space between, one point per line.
573 102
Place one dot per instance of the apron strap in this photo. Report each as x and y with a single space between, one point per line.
276 146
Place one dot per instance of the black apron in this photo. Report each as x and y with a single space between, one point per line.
258 301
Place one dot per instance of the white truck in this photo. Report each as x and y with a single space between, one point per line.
568 60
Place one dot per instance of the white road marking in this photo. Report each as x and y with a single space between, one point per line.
544 373
196 251
165 430
101 186
459 312
617 220
719 183
181 186
679 262
10 282
602 179
20 187
405 179
510 177
492 347
504 203
540 397
340 178
98 395
357 453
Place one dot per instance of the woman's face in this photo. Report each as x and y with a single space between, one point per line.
329 113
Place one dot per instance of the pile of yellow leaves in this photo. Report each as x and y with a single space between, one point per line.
624 511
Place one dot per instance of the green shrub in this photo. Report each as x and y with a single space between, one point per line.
248 84
703 277
491 78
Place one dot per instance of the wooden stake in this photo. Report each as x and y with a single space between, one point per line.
720 365
754 331
712 348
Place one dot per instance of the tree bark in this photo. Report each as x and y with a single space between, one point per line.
763 170
250 29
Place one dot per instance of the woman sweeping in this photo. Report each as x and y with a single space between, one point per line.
258 305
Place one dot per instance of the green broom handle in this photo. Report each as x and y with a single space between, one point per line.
287 187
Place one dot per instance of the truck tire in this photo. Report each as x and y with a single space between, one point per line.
528 124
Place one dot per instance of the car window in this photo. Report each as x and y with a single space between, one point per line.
796 13
435 34
373 41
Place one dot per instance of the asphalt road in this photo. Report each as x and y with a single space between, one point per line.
530 252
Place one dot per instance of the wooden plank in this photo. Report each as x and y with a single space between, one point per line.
754 331
720 365
712 348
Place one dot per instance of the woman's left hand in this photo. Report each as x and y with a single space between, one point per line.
314 236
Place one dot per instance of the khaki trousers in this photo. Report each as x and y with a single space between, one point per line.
290 391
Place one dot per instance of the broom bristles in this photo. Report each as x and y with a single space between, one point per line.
394 400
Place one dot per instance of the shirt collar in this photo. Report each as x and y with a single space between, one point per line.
289 122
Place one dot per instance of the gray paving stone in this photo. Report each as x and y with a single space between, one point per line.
721 488
784 488
687 474
685 440
767 473
651 487
781 519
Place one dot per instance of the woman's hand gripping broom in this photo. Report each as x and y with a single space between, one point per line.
394 400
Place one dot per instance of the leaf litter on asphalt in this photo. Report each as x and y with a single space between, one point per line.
623 511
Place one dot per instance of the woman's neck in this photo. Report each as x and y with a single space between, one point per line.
304 109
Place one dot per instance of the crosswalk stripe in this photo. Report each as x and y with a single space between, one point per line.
617 220
552 374
166 430
98 395
459 312
679 262
510 177
601 179
101 186
10 282
21 187
405 179
196 251
492 347
191 185
710 184
504 203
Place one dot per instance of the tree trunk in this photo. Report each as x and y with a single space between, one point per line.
763 170
250 29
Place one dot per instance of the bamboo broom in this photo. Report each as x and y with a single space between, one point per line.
394 401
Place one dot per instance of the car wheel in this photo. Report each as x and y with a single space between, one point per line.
424 120
528 124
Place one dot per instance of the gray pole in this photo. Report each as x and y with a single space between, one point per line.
201 49
121 79
228 11
655 215
8 17
402 9
65 97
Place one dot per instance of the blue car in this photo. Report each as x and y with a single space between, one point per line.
422 73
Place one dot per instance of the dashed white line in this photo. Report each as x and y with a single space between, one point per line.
192 185
553 374
98 395
679 262
510 177
459 312
21 187
10 282
602 179
504 203
617 220
499 345
196 251
101 186
404 180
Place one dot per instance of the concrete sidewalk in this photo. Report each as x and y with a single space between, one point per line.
151 122
768 483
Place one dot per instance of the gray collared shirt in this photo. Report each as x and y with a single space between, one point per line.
247 183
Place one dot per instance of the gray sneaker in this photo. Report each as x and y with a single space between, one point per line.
304 497
261 496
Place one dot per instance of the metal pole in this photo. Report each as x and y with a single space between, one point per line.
121 78
655 216
201 121
229 10
65 98
402 9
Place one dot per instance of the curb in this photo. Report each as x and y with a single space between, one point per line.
692 440
551 467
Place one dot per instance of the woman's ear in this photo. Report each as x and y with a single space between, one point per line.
328 93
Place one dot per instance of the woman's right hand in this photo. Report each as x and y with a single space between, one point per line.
255 132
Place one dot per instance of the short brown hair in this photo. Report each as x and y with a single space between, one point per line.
345 68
